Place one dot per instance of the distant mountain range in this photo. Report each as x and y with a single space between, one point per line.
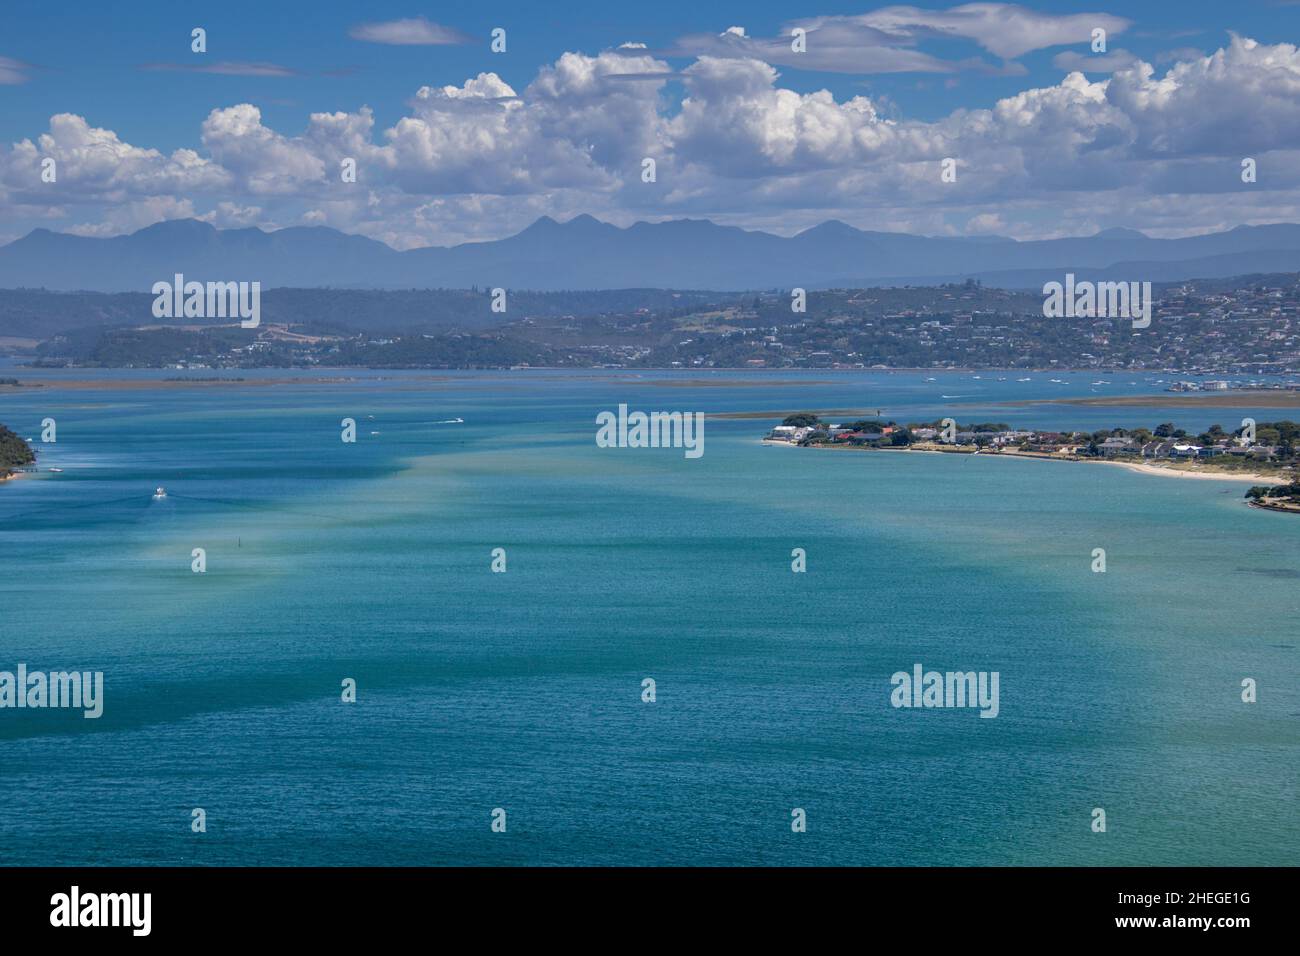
587 254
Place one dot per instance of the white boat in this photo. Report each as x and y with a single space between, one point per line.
1024 380
57 470
161 492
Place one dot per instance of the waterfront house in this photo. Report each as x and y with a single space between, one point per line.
1117 446
1252 451
1158 449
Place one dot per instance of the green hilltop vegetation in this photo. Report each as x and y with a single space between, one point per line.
1289 493
14 452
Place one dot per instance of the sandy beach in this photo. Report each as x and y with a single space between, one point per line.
1140 467
1188 473
1145 468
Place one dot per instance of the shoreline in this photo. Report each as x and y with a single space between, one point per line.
1146 469
1134 466
1233 398
1272 506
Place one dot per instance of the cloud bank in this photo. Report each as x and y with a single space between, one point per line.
1130 146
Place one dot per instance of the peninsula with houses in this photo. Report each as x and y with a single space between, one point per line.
1269 458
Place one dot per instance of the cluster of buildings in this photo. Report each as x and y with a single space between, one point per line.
841 433
1041 442
847 434
791 433
1198 328
1181 449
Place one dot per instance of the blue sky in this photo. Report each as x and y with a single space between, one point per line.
90 65
129 70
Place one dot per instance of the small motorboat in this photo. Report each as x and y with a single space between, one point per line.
160 492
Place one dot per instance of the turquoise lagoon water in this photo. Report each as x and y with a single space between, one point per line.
523 690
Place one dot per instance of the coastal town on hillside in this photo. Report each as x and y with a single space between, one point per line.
1230 328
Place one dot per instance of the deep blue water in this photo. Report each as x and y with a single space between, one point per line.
523 690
